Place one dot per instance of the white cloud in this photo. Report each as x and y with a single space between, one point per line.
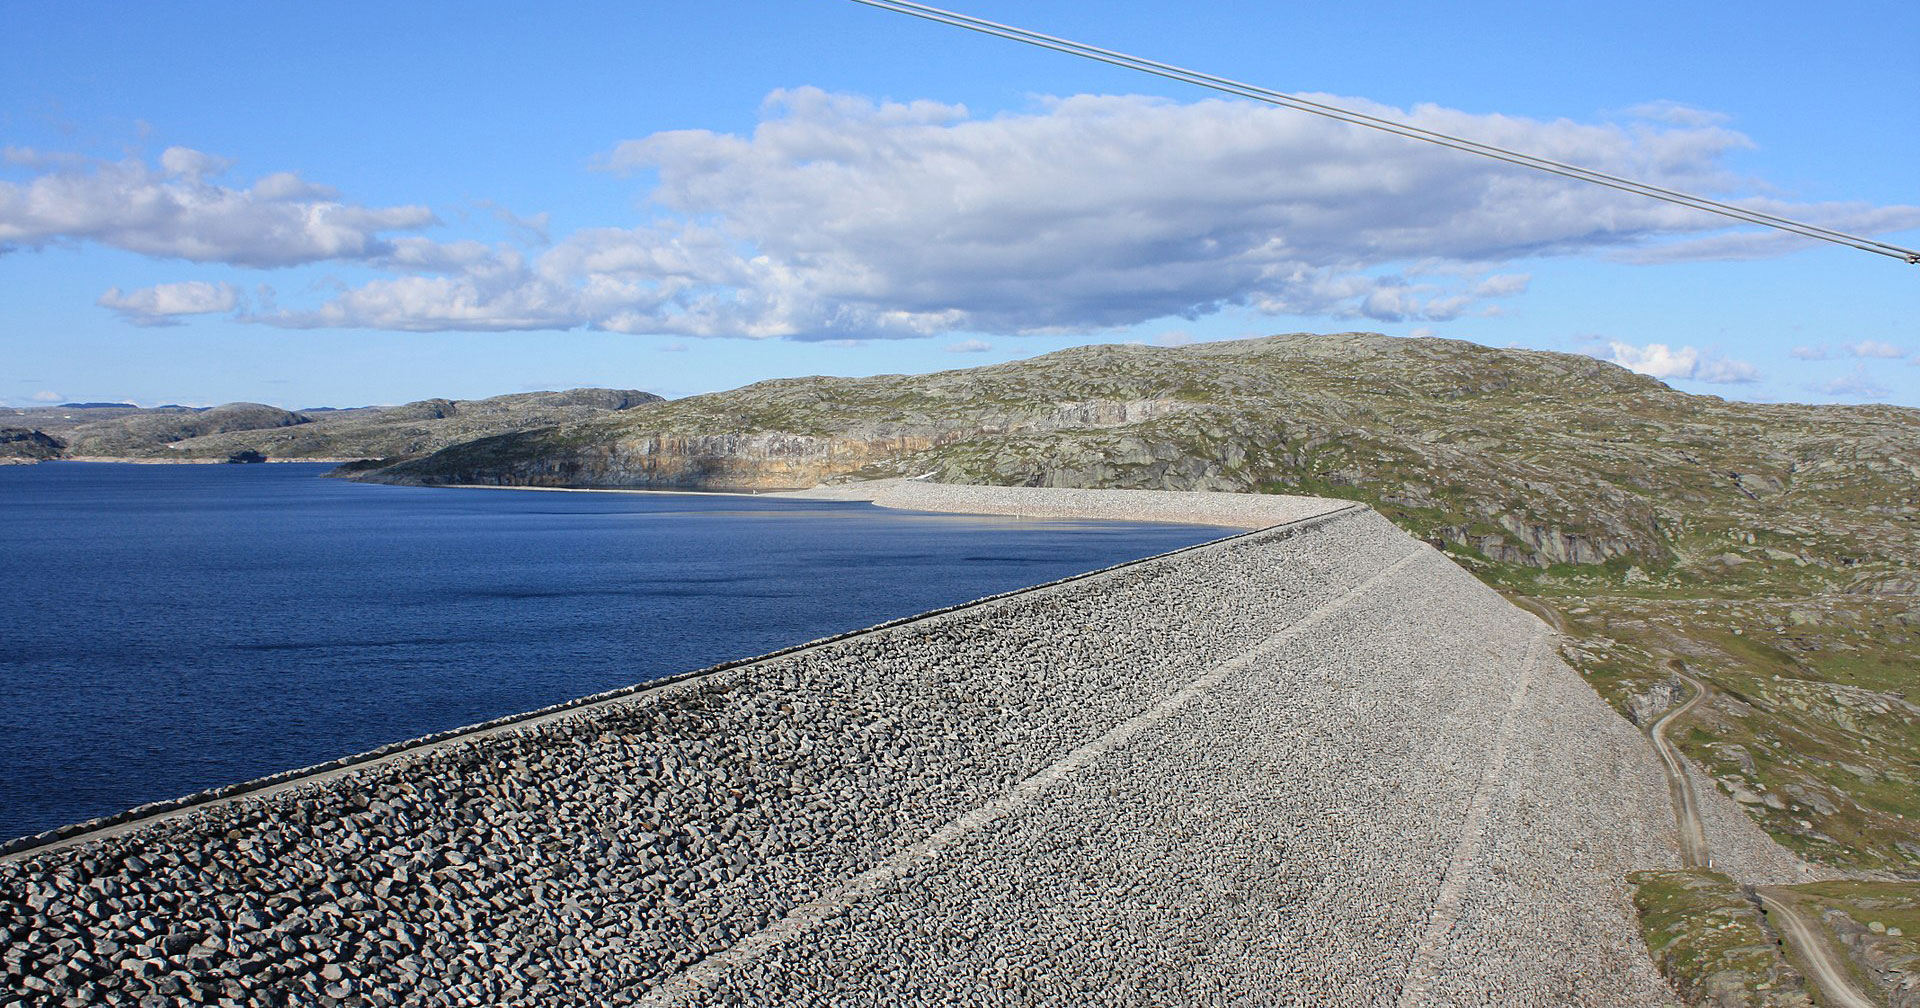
1658 360
1855 385
187 163
47 396
1676 114
840 217
1810 353
163 304
969 346
1724 371
1174 338
1503 285
174 211
1875 348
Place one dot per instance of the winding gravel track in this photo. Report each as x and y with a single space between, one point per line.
1827 974
1694 852
1814 953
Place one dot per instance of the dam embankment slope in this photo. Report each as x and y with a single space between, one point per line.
1317 764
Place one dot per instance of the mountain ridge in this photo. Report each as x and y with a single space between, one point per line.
232 429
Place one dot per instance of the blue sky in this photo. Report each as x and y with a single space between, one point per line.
355 203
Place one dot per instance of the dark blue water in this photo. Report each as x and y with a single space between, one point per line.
172 628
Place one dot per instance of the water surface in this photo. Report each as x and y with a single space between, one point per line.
173 628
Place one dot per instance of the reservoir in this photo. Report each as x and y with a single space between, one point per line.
170 628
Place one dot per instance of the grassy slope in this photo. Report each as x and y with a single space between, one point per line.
1709 939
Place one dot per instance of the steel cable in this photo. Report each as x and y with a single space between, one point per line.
1256 93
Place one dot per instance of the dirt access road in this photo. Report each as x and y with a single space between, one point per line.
1801 934
1694 852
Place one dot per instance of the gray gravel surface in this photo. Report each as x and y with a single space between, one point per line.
1235 510
1283 839
1739 847
1298 767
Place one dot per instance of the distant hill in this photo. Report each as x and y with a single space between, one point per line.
141 433
18 445
1772 550
1519 457
417 428
392 432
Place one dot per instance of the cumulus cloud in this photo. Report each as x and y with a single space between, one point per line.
842 217
164 304
969 346
1855 385
1723 371
1810 353
175 210
839 217
47 396
1875 348
1658 360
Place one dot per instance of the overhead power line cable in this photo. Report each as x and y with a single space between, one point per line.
1240 89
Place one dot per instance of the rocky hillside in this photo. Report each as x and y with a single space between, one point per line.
385 432
1770 550
1519 457
142 432
20 445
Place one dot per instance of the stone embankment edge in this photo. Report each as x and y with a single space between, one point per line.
78 833
1184 507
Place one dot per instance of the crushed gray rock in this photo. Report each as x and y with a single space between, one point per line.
1301 784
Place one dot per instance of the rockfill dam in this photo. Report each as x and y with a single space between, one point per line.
1312 764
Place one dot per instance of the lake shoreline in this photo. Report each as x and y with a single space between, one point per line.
1221 509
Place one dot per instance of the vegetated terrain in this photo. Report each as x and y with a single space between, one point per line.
1712 943
1770 549
181 433
1877 924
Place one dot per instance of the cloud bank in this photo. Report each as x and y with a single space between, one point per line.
174 210
839 217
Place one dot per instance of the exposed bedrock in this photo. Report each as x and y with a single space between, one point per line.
763 461
721 457
1318 765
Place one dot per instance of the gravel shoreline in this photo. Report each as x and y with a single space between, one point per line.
1186 507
